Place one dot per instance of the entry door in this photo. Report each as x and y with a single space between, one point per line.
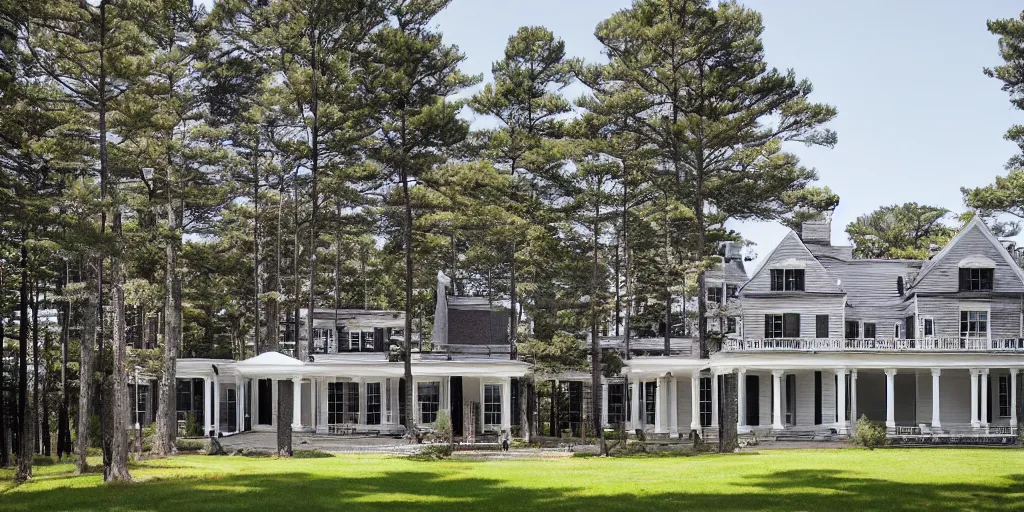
753 401
265 409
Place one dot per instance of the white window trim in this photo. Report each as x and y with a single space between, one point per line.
925 319
416 398
976 261
976 306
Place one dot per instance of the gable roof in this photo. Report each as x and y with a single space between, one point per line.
975 223
795 238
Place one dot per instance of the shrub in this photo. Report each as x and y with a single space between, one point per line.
443 428
438 451
192 427
869 434
189 445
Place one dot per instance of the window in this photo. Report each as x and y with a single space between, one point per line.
821 326
705 401
974 324
492 404
869 330
429 396
1004 396
353 341
650 391
852 329
909 323
373 403
786 325
715 295
730 324
730 291
789 279
974 279
929 327
323 341
140 403
896 331
616 404
342 402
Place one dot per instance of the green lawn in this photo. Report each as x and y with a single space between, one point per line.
908 479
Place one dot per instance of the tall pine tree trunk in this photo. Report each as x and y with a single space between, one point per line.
4 450
36 431
256 247
118 471
410 415
285 404
25 423
63 421
166 421
728 437
87 367
595 344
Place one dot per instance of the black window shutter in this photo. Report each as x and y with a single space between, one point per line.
817 398
965 279
821 326
791 325
768 326
799 279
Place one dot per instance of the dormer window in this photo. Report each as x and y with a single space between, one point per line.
787 279
976 279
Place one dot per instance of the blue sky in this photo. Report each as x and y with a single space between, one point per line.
917 118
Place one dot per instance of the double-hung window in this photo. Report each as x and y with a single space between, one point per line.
705 401
929 327
787 279
714 295
616 403
786 325
1004 396
975 279
492 404
342 403
429 397
869 330
974 324
650 393
373 403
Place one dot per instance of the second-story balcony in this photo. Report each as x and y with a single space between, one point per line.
930 344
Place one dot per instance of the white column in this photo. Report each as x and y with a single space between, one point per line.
853 398
936 416
506 405
714 400
604 404
741 397
216 406
841 421
239 405
777 400
673 406
296 403
890 398
321 424
984 397
974 398
659 404
207 410
1013 397
634 405
695 402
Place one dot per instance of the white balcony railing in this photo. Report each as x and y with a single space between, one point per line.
873 345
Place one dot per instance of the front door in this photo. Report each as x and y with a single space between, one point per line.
265 408
753 401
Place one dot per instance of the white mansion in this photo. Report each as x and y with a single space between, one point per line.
816 337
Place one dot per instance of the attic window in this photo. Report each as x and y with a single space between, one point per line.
974 279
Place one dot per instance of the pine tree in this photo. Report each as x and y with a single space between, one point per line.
907 231
412 74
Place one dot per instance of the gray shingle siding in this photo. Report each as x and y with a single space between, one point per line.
807 306
816 278
942 276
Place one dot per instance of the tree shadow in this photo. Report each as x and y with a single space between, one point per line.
437 490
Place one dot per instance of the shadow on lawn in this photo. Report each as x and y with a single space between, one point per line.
432 491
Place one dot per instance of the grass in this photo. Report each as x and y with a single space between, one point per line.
891 479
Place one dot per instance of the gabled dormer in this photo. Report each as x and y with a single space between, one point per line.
972 263
791 269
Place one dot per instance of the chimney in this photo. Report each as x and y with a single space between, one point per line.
817 231
733 251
